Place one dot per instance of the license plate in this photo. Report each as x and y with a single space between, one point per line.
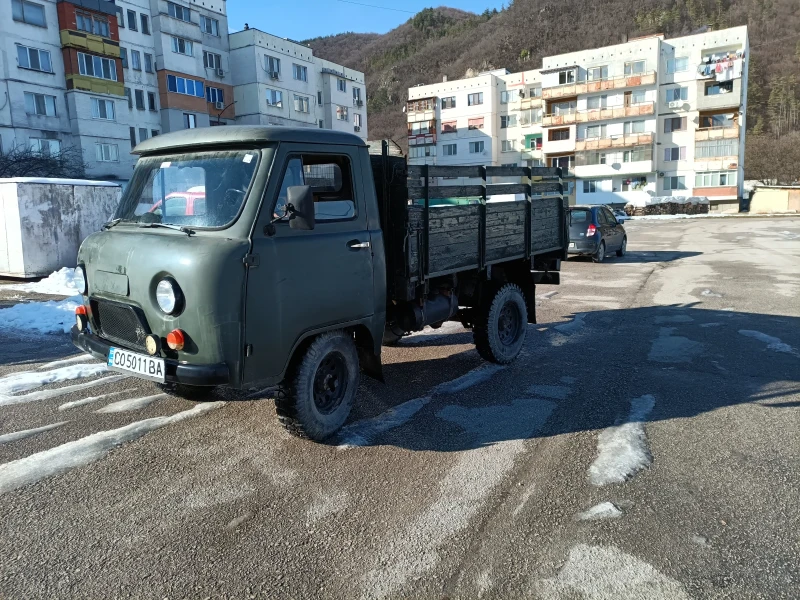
142 365
572 244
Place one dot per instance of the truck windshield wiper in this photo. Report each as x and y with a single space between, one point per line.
180 228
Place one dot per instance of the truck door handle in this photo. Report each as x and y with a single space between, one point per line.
356 244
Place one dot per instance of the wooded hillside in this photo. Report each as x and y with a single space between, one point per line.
446 41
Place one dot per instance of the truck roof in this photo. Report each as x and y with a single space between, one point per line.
244 134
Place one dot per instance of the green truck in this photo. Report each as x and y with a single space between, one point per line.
251 256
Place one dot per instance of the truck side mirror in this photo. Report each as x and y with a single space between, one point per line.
302 202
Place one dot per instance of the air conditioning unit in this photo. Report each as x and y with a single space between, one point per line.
273 75
356 128
661 173
219 105
522 93
675 104
220 73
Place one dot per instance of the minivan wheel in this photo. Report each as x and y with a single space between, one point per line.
623 247
601 253
315 398
501 323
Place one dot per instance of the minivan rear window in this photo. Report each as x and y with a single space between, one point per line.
579 216
201 189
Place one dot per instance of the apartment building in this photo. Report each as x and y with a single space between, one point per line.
104 75
648 118
281 82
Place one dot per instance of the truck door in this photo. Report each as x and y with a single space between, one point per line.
307 280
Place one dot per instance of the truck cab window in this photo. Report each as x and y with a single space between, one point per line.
331 182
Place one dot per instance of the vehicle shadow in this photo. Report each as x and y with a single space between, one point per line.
17 349
690 359
649 256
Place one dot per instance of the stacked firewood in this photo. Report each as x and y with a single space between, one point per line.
686 206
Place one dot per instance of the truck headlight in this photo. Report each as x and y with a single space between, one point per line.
169 296
79 279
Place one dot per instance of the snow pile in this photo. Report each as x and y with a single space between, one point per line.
55 393
21 435
60 283
604 510
22 382
131 404
623 450
429 333
672 217
656 200
54 316
572 326
365 432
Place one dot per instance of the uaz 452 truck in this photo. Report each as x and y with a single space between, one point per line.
255 256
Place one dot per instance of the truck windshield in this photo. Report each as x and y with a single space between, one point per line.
199 189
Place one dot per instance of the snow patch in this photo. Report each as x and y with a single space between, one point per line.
366 431
54 316
622 450
131 404
21 435
84 451
707 325
468 380
572 326
90 399
604 510
710 294
773 343
668 348
22 382
557 392
429 333
62 391
60 283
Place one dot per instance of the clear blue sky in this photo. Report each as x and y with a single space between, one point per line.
304 19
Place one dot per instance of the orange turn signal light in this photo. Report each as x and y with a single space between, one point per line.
81 310
176 339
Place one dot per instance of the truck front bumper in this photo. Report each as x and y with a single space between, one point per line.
176 372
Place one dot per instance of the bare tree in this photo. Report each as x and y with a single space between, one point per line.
22 161
773 161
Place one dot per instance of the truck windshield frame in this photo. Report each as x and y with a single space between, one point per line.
208 189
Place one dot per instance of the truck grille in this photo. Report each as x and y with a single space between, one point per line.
121 323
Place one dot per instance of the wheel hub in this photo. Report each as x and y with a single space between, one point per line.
330 383
508 324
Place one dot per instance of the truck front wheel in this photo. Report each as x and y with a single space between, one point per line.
501 322
315 398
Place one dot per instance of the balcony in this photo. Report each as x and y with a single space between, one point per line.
732 99
716 133
94 84
422 139
619 141
716 163
526 103
598 114
423 109
598 85
638 167
87 41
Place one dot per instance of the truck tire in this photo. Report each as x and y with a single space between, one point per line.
315 398
501 323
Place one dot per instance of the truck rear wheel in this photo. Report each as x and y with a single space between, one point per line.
315 398
501 322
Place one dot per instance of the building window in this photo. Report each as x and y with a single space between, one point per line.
120 17
182 85
189 121
94 66
476 147
597 73
28 12
151 101
103 109
132 133
590 187
449 126
635 67
301 104
677 94
418 105
341 113
148 62
145 20
674 183
505 97
715 179
475 99
535 92
450 150
136 60
634 183
595 102
563 108
132 20
179 12
675 154
596 131
182 46
507 121
153 132
674 124
677 65
139 96
636 97
209 25
215 94
557 135
638 154
44 146
716 149
357 96
534 141
531 116
630 127
319 98
321 124
476 123
273 66
300 73
714 89
507 146
123 56
420 128
449 102
341 85
211 60
565 77
421 151
40 104
107 152
34 59
357 120
92 24
274 98
127 91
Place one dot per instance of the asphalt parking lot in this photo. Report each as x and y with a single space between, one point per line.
646 445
